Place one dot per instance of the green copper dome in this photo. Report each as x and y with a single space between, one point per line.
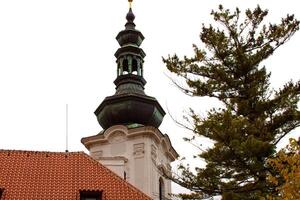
130 105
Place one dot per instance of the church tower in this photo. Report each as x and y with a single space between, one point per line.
131 144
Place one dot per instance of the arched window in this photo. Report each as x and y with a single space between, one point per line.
125 66
161 189
119 71
134 67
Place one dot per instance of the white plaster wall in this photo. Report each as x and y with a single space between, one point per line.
141 157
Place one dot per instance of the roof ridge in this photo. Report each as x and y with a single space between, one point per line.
126 183
38 152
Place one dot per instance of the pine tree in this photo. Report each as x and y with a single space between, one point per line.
254 117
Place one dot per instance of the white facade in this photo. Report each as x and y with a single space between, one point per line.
139 155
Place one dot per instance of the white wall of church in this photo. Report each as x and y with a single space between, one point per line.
139 158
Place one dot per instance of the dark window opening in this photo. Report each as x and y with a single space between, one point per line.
161 189
124 175
1 192
125 66
90 195
134 67
119 69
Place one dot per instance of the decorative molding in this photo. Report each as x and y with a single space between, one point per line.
153 153
169 168
117 137
115 158
97 155
162 169
139 150
158 137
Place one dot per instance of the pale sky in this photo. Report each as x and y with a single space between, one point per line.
58 52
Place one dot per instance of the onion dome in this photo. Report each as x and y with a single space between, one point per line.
130 105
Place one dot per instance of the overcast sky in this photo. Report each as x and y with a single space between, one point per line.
58 52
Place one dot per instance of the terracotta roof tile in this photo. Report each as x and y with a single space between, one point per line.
30 175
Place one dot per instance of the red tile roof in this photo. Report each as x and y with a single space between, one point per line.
30 175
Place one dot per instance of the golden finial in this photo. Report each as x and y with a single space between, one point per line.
130 2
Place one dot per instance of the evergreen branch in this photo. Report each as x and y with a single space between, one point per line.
254 120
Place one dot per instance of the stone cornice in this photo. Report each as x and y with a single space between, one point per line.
149 131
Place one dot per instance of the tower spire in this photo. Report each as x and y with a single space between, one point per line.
130 105
130 120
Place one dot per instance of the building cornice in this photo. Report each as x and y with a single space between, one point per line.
148 131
